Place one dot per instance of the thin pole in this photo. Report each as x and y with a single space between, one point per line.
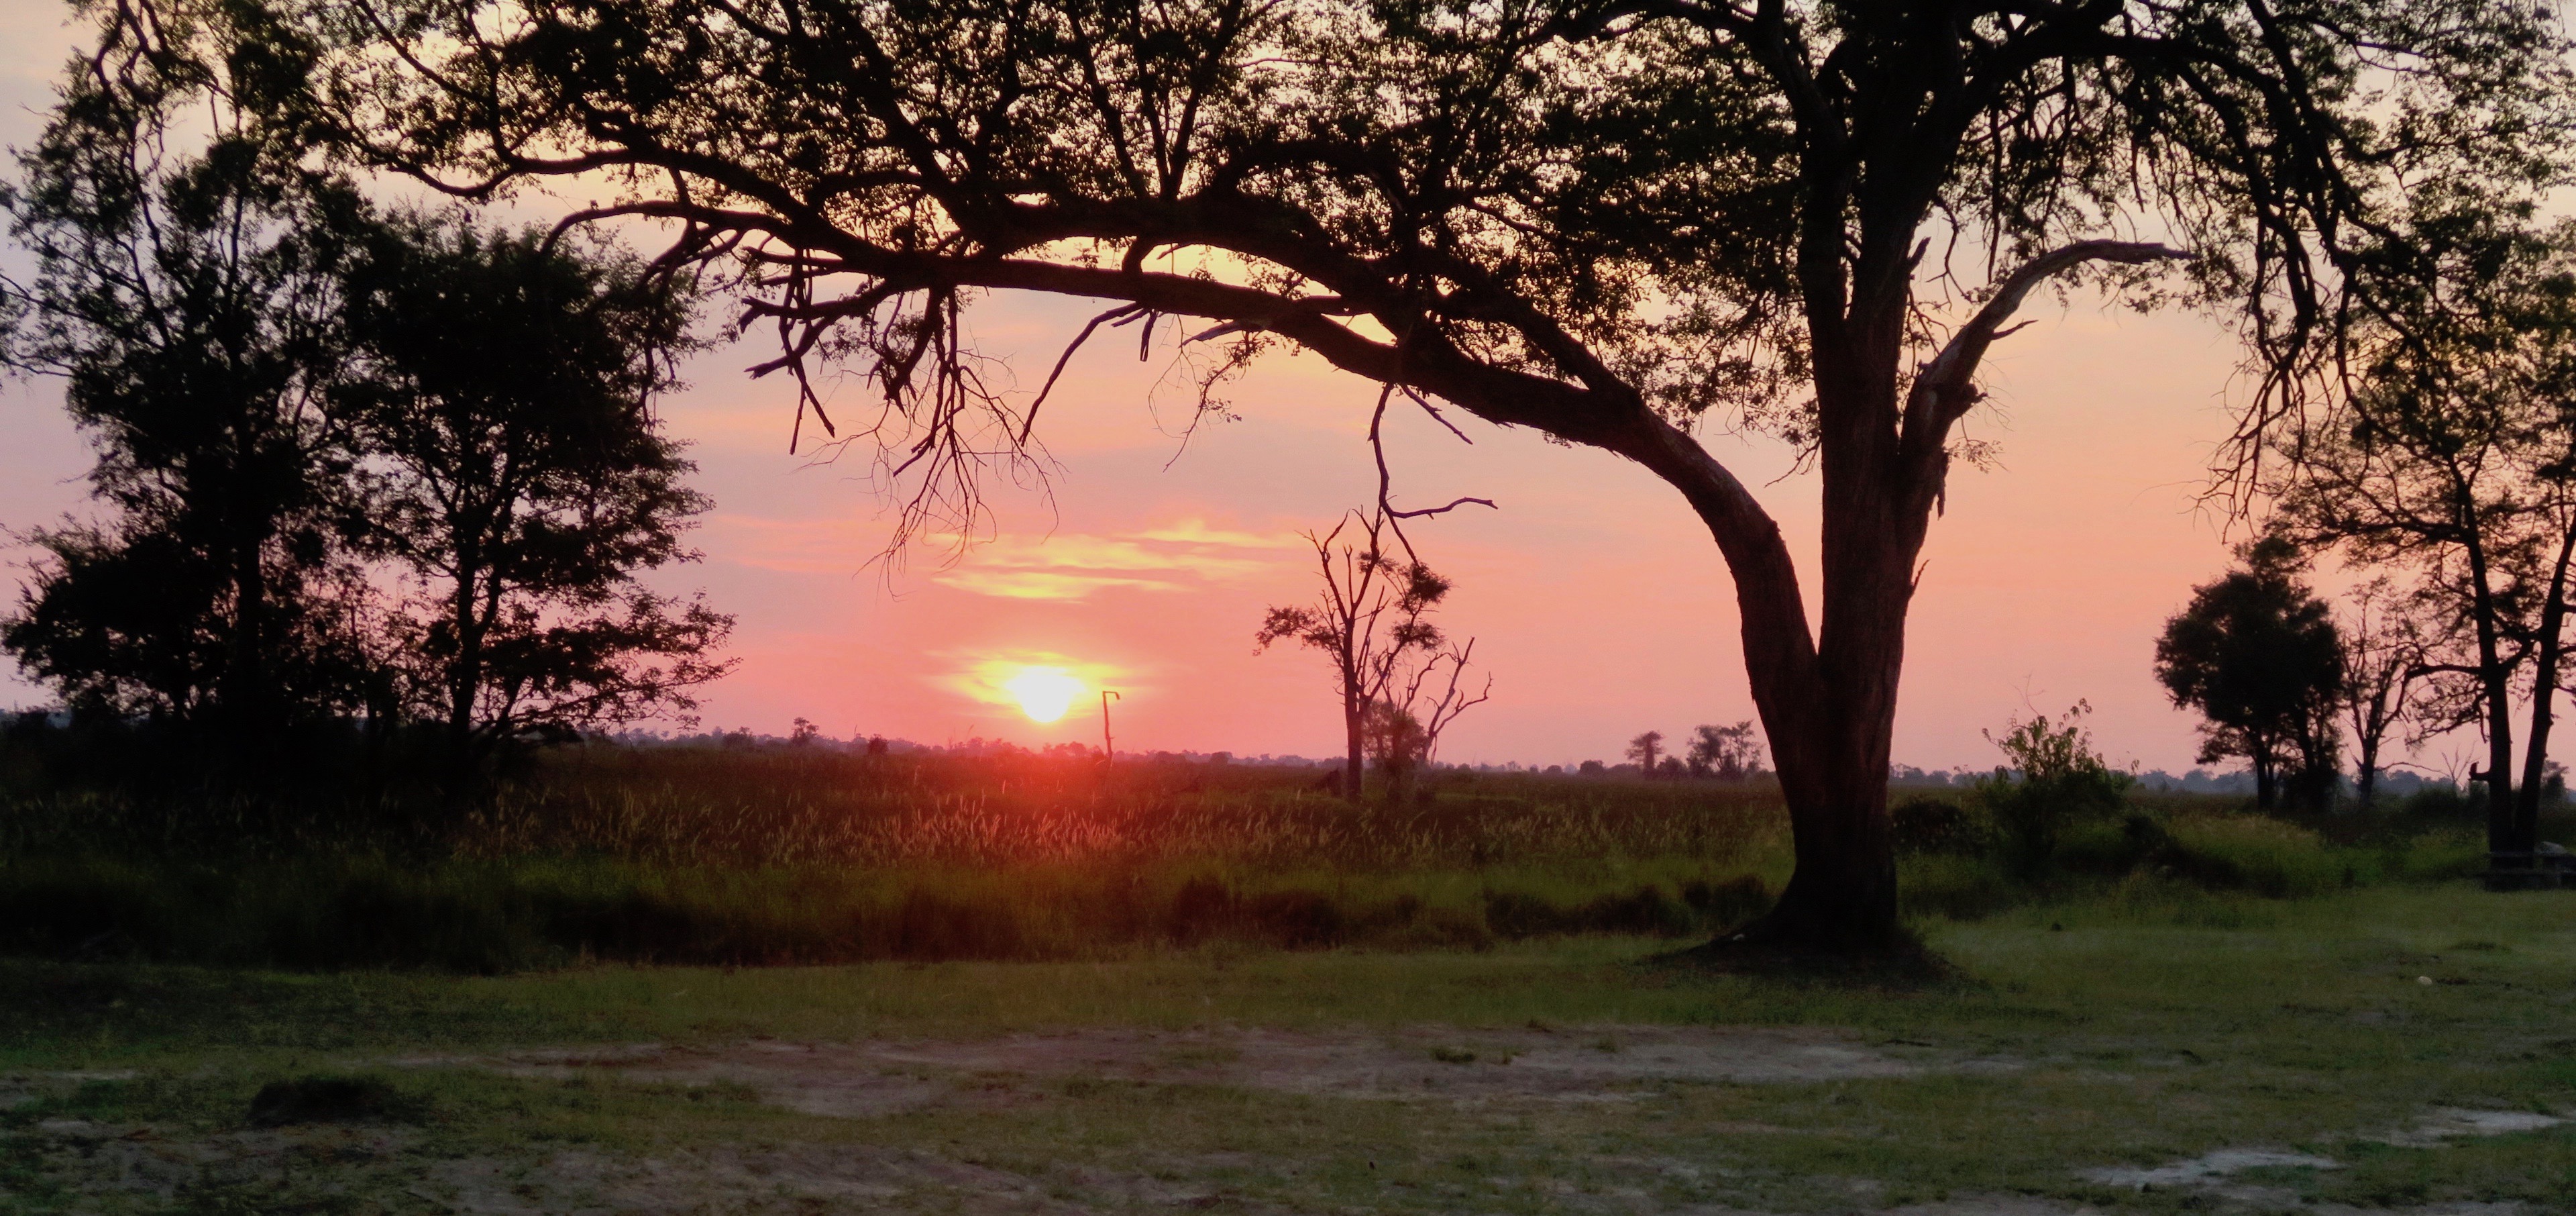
1108 748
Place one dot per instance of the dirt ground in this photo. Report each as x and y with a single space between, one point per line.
1538 1062
1438 1071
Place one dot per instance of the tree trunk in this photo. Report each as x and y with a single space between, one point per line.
2544 688
2495 682
1829 711
1354 730
464 676
2365 778
247 712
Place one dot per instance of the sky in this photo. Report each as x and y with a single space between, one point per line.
1598 602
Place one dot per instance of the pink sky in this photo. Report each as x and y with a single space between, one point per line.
1598 601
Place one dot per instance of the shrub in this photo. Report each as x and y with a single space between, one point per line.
1729 902
2055 779
1923 825
1646 911
2442 804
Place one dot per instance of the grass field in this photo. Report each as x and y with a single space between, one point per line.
2076 1038
1213 988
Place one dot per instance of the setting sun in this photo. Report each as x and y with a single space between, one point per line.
1043 693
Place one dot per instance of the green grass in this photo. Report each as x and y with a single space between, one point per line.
2181 978
2137 1035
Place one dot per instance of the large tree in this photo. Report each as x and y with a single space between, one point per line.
185 291
1600 219
2455 456
501 396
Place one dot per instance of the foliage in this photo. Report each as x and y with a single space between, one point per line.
2259 656
2452 456
1728 753
1601 221
1644 749
186 294
2053 779
300 405
805 853
516 477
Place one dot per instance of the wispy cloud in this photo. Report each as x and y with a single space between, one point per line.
1182 555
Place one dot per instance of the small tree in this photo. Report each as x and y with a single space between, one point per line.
2257 654
2384 654
1372 625
2053 778
1645 748
1728 753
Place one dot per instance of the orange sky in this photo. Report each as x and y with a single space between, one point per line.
1598 601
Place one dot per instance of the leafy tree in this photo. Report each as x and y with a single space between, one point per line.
1602 219
2257 654
1644 749
1372 624
2453 456
520 482
1729 753
185 291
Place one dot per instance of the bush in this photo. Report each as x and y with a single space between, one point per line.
2442 804
2056 779
1728 903
1646 911
1933 826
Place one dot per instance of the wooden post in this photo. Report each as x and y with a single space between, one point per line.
1108 748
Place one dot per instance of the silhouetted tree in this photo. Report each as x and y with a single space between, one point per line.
1372 625
2453 455
185 292
1598 218
2256 653
1729 753
1644 749
289 390
521 482
2384 652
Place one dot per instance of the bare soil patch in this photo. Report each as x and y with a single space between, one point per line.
1569 1064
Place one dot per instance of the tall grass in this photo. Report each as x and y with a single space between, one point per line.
808 855
770 855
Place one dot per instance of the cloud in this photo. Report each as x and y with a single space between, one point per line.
1184 555
1181 556
1043 584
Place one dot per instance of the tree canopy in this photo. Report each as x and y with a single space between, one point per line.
2258 655
1602 219
354 464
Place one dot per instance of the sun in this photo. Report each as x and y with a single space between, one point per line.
1044 693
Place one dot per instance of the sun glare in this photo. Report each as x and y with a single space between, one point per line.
1044 693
